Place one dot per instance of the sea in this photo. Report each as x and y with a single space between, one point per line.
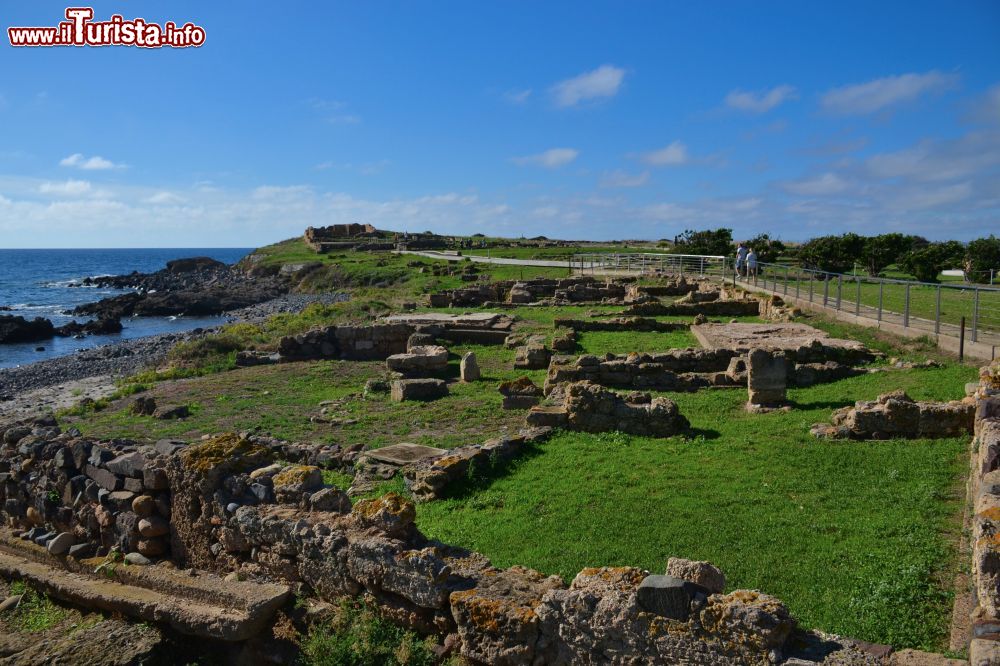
37 283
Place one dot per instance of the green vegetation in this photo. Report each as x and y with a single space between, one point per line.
36 612
856 537
358 636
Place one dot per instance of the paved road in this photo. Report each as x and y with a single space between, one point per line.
486 260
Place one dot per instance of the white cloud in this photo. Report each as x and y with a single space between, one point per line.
621 178
69 188
879 94
365 168
344 119
281 192
673 154
601 83
932 160
761 100
164 198
822 185
95 163
987 107
552 158
517 96
922 198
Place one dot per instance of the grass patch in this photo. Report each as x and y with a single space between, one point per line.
858 538
358 636
36 612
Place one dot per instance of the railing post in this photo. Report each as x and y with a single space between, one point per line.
786 280
857 298
826 289
975 316
937 312
906 307
703 266
840 290
798 281
881 290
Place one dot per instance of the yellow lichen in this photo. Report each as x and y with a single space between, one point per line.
294 474
391 503
228 450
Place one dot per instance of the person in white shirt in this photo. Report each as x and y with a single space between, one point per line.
741 260
752 264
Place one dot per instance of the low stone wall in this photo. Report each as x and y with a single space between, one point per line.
76 495
497 616
589 407
682 370
897 415
233 510
620 324
567 290
984 497
358 343
716 308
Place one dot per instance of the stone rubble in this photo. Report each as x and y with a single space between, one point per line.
895 414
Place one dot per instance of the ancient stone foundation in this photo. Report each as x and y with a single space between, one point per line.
589 407
230 510
620 324
684 370
391 336
897 415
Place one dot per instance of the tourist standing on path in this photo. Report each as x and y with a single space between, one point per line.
752 265
741 259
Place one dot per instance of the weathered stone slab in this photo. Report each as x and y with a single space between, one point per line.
419 359
404 454
202 605
744 337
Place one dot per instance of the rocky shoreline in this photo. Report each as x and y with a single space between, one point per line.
125 358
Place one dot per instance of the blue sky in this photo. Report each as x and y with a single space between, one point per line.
572 119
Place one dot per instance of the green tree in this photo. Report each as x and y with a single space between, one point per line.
885 249
714 242
766 248
833 254
926 263
981 256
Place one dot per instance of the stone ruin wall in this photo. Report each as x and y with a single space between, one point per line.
691 369
984 498
302 532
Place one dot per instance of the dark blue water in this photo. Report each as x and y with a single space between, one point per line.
35 283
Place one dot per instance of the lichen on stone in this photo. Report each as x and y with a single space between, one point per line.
229 451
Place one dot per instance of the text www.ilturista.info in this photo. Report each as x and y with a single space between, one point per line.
80 30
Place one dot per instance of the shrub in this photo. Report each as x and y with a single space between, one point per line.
926 264
714 242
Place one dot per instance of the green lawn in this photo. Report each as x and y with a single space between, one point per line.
955 302
858 538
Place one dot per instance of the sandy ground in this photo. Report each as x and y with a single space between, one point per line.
57 396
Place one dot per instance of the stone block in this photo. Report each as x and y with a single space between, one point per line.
668 596
469 367
767 376
418 389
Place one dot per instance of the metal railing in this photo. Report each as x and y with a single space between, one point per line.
648 263
937 308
